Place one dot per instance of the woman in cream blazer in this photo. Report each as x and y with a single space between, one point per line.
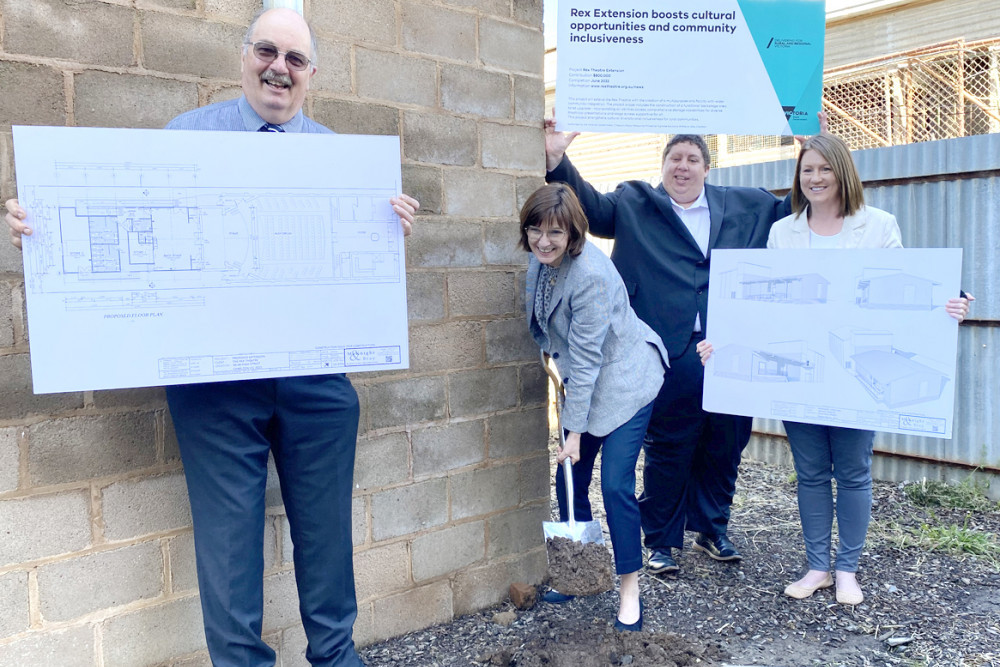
830 212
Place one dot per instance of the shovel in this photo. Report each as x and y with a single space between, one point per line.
570 574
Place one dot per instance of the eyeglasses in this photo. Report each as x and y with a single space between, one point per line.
555 235
269 53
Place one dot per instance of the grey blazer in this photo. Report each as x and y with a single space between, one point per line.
610 361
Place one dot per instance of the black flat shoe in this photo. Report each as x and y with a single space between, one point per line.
716 546
630 627
555 597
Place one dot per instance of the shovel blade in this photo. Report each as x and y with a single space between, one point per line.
578 531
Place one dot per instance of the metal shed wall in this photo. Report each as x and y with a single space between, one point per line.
880 28
944 194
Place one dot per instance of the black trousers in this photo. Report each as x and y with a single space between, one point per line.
692 458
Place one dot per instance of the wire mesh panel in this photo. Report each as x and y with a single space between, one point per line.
940 92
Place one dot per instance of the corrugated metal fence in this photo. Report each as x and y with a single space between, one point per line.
944 194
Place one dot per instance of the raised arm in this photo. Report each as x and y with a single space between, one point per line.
824 127
599 207
556 144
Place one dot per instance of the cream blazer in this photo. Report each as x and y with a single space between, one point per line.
870 227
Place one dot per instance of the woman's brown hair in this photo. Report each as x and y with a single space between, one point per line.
838 155
555 204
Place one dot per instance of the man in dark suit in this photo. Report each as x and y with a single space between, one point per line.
663 242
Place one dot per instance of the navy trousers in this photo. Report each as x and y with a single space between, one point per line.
621 451
692 458
225 431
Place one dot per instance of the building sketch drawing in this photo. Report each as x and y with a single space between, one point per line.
894 289
836 338
782 361
754 282
891 376
160 231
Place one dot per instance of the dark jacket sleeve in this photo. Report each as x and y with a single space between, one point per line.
600 208
782 207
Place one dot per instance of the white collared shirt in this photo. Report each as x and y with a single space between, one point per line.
696 218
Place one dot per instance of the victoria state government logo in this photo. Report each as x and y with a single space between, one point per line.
790 111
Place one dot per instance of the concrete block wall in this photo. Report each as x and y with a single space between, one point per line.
451 483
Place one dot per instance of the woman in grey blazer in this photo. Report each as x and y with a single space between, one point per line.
611 365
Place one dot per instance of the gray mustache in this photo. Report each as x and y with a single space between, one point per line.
271 76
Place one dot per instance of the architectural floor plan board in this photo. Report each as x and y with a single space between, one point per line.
169 257
856 338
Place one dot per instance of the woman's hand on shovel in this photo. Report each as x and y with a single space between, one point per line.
570 448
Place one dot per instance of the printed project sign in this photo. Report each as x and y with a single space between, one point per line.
690 66
855 338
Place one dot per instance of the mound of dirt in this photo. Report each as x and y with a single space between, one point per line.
946 603
589 649
577 568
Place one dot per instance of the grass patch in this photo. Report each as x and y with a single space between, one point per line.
950 538
959 539
970 494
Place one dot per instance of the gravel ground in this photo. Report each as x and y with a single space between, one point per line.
922 606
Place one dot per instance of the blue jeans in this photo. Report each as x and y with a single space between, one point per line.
822 453
621 451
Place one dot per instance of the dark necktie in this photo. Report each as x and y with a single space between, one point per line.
268 127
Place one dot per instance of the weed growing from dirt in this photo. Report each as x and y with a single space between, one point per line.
970 494
947 538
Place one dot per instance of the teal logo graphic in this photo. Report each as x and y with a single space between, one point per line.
789 35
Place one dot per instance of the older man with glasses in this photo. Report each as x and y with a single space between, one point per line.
226 430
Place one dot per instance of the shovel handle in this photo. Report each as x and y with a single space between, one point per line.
567 466
556 382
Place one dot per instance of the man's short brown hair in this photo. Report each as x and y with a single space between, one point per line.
695 139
